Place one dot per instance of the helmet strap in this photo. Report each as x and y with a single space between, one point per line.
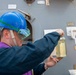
13 37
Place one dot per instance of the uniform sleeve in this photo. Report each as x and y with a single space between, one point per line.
39 69
24 58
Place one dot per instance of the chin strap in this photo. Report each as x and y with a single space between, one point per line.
13 37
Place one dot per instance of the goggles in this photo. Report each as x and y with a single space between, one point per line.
23 33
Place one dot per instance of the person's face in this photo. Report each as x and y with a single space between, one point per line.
9 39
18 39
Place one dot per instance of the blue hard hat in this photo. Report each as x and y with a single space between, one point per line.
14 21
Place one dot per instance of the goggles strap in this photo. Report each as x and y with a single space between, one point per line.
13 37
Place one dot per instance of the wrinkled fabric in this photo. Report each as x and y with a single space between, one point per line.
19 60
5 45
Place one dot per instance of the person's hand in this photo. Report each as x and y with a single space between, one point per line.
51 61
60 31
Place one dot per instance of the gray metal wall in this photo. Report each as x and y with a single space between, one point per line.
54 16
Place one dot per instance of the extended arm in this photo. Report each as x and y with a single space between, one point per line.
22 59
